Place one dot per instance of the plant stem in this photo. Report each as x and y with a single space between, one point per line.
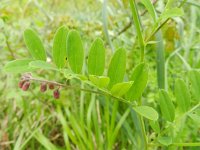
176 144
162 24
138 27
100 91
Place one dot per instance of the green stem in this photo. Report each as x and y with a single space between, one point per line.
176 144
143 131
100 91
138 27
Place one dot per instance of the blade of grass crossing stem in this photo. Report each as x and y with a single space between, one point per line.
32 132
82 106
44 141
118 126
65 128
89 117
140 135
95 118
138 27
107 120
19 140
114 115
72 133
79 130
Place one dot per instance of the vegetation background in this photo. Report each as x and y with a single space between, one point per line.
34 121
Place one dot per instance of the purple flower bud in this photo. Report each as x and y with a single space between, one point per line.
25 86
56 94
43 87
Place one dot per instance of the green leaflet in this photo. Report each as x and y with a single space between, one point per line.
182 95
60 47
96 58
170 13
165 140
140 78
34 44
18 66
155 126
99 81
75 52
166 106
120 89
147 112
149 6
194 77
117 67
41 65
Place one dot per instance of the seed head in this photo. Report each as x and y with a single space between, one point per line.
25 86
21 83
43 87
51 86
56 94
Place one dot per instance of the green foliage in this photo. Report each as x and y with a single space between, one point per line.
34 44
165 140
41 65
166 106
120 89
100 102
75 52
117 67
96 58
18 66
60 47
194 77
147 112
149 6
140 78
182 95
170 13
99 81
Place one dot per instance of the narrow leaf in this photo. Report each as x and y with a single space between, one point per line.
170 13
166 106
39 136
120 89
34 44
140 78
75 52
60 47
155 126
149 6
96 58
117 67
99 81
147 112
41 65
18 66
182 95
194 77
